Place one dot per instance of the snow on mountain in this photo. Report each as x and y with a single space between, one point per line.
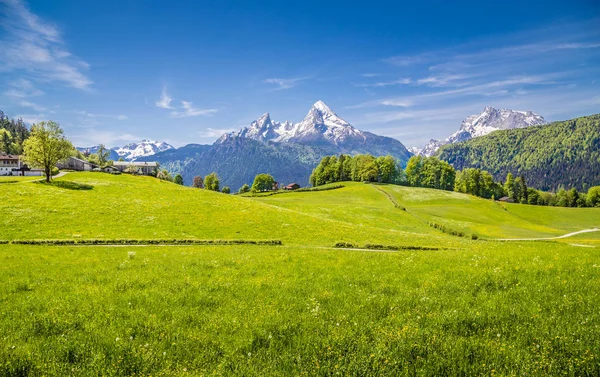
321 124
489 120
145 148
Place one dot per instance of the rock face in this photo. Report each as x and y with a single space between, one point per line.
489 120
289 151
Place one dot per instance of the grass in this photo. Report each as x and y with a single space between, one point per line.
530 309
455 307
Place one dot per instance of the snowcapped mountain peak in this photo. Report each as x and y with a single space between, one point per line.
489 120
321 124
322 107
144 148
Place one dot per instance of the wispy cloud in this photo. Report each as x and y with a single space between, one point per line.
212 133
22 89
188 110
34 48
404 81
371 74
282 84
165 101
32 106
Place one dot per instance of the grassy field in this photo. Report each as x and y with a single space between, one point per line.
304 308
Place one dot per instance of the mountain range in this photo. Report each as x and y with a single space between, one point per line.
489 120
132 151
288 151
559 154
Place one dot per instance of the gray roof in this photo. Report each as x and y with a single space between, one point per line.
135 163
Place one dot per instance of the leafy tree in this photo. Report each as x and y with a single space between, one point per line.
46 146
212 182
198 182
103 154
226 190
263 182
593 196
121 159
509 186
413 171
178 179
244 189
162 175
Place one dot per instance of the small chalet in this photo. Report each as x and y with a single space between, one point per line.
77 164
142 167
291 186
11 164
8 162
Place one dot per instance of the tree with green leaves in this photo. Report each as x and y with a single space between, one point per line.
244 189
198 182
103 155
509 187
593 196
212 182
178 179
226 190
163 175
263 182
46 146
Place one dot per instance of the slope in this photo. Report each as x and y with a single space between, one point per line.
563 153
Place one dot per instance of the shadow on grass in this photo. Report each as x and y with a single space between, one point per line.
67 185
1 182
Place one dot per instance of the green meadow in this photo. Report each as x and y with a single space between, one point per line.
466 307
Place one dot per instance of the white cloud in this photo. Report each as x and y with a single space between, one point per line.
32 118
22 89
32 106
121 117
165 101
213 132
190 111
282 84
371 74
404 81
35 49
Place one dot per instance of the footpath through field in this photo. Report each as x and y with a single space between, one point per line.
551 238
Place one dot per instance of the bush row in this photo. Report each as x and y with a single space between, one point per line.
450 231
130 241
349 245
305 189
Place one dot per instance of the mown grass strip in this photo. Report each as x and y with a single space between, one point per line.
349 245
129 241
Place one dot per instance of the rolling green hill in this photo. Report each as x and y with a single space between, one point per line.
458 307
558 154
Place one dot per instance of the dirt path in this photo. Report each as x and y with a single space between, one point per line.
62 173
551 238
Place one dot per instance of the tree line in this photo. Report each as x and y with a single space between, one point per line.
431 172
13 134
358 168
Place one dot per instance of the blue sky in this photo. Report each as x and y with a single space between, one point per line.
187 71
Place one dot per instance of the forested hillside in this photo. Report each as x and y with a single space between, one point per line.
561 154
12 134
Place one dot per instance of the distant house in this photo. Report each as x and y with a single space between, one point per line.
291 186
141 167
110 169
77 164
506 199
275 186
9 162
